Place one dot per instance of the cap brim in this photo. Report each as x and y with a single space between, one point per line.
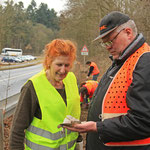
102 35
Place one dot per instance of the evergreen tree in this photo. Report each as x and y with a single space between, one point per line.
31 11
47 17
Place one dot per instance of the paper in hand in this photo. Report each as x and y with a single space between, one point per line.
69 121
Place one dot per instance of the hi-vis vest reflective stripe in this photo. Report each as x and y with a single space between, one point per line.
91 85
95 70
41 147
44 134
114 103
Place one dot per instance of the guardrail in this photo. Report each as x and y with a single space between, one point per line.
7 107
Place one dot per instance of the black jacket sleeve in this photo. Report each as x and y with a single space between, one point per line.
136 124
90 70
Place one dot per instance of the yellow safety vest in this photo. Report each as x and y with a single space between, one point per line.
114 103
43 134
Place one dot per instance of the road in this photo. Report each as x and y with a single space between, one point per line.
12 80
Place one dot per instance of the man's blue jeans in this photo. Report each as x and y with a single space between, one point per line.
95 77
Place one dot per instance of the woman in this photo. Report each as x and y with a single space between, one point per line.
45 101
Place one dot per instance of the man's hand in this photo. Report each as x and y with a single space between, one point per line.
83 127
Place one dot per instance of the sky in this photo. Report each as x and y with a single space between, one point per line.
58 5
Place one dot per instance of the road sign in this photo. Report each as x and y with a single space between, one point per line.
84 50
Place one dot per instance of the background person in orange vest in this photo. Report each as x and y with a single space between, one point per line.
87 90
93 70
119 115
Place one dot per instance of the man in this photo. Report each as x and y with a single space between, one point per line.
93 70
87 90
119 116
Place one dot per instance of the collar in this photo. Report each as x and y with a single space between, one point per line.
132 47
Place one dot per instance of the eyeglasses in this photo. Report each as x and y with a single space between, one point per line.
109 43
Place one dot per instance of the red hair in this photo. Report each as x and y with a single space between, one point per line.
59 47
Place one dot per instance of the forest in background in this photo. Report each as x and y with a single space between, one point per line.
29 29
32 28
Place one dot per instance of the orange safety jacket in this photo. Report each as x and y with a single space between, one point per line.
95 70
114 103
91 86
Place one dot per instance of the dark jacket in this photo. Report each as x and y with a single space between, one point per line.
134 125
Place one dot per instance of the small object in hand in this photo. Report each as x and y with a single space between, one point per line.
68 124
64 124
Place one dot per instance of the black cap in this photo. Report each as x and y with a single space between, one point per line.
110 22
